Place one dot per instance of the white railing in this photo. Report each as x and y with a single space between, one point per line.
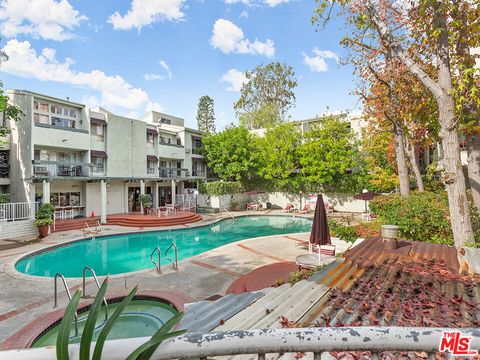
17 211
258 343
186 202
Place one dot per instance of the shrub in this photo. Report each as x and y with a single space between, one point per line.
423 216
217 188
45 211
369 229
146 201
345 233
4 198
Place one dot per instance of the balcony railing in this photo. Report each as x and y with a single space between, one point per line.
173 173
61 170
258 343
197 151
17 211
198 173
165 142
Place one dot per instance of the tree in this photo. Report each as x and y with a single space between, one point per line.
279 163
232 154
266 96
7 111
330 158
206 114
429 27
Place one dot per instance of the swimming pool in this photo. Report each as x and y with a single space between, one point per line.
117 254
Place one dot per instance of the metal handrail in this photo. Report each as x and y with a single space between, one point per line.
157 266
98 226
86 228
55 296
174 263
228 212
94 275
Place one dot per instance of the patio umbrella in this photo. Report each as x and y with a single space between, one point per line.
320 234
365 196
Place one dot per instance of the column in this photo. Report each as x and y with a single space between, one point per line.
103 199
126 209
173 192
155 194
142 192
46 192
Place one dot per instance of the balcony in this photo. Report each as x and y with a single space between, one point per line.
163 141
198 173
173 173
61 169
152 171
197 151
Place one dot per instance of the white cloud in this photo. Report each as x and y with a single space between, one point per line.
45 19
317 62
229 38
235 78
154 77
165 66
244 14
271 3
146 12
24 61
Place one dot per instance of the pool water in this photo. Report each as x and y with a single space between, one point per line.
119 254
141 318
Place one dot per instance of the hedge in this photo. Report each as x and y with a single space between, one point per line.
217 188
423 216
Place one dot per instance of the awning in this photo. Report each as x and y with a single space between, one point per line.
152 131
98 121
152 158
98 153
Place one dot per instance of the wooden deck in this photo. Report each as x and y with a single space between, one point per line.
130 220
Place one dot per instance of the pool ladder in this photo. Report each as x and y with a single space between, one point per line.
55 292
69 295
157 263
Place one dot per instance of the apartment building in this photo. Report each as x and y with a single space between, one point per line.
90 161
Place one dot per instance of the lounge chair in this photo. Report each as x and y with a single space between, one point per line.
288 208
305 209
254 207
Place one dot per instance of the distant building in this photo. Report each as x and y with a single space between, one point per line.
93 161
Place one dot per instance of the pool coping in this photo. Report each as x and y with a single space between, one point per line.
10 270
25 337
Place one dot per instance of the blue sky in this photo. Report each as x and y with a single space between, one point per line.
131 56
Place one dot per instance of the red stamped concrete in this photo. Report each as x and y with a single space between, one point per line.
25 337
262 277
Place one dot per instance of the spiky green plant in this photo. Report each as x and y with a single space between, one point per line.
143 352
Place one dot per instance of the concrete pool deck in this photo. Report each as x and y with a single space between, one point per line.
24 298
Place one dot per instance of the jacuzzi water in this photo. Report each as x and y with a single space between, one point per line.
117 254
141 318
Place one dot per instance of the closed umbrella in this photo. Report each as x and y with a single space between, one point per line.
320 235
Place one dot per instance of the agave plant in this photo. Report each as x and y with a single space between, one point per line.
143 352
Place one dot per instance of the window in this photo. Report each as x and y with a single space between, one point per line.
98 164
41 119
64 123
98 132
75 199
179 142
40 106
150 138
151 167
63 199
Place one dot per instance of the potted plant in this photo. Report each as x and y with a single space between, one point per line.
43 218
234 205
146 201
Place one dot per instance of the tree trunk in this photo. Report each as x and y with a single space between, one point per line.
401 161
473 151
413 152
441 90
